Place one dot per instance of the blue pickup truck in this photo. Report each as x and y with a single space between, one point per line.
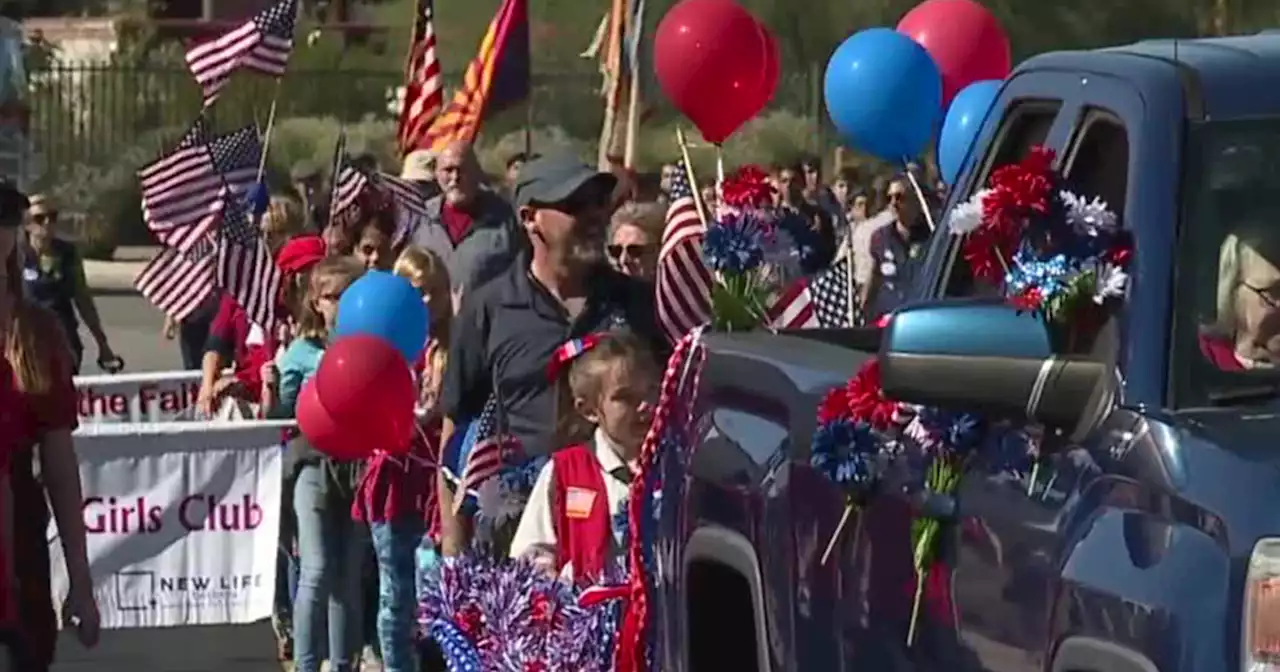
1151 540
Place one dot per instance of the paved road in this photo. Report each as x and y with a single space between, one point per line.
133 328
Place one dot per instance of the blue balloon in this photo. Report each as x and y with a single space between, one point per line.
387 306
884 94
960 129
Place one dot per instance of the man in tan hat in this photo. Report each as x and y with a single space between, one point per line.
420 169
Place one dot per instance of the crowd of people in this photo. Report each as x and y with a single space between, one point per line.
540 287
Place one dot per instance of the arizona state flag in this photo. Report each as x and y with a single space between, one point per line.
497 78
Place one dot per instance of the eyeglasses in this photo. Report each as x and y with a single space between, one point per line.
1271 295
896 196
42 217
632 251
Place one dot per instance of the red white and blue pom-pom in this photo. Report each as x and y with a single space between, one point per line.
509 616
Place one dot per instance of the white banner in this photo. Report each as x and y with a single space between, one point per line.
182 521
137 397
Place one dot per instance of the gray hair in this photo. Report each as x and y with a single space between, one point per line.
649 217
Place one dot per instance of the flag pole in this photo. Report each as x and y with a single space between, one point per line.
633 104
266 136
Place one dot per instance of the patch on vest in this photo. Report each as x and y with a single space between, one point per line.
578 503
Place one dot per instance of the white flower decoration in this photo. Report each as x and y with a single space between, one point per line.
1112 283
888 269
967 217
1087 216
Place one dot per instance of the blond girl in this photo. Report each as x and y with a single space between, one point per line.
397 494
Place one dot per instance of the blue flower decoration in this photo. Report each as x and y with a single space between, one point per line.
960 433
846 452
734 244
1049 275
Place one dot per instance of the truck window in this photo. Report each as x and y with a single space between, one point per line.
1098 165
1026 124
1227 297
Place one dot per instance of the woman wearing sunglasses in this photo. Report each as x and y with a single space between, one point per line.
635 231
53 275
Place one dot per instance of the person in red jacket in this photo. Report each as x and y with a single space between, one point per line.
569 522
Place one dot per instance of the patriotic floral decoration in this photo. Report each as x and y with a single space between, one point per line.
734 249
509 616
1054 252
863 436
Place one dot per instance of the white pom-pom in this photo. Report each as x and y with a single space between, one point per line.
967 217
1112 283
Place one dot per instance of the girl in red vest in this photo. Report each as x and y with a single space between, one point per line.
569 520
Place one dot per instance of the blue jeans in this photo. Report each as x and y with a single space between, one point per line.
330 550
396 544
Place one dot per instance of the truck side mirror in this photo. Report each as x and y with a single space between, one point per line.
985 356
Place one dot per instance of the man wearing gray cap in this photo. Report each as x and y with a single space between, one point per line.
562 288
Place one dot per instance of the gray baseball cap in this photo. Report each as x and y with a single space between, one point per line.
555 177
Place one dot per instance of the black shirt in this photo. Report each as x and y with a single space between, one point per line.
506 332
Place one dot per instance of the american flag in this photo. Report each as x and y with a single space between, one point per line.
175 283
424 87
245 268
491 450
186 191
825 301
352 184
683 286
262 44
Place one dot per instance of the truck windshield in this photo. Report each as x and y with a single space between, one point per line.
1227 314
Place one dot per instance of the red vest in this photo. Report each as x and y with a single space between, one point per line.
580 509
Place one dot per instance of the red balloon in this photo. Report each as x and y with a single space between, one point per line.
772 65
364 381
964 39
341 441
708 57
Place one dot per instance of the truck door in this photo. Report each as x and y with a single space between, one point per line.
1006 568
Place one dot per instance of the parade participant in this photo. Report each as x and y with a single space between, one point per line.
569 522
635 232
397 494
330 544
374 237
508 329
472 229
420 168
885 250
234 340
53 273
1246 331
37 417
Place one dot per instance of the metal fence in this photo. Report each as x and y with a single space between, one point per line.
98 114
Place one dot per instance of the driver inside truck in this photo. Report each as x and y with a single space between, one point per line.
1246 332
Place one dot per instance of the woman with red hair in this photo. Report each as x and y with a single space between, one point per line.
37 416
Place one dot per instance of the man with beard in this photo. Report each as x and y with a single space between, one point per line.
472 229
563 288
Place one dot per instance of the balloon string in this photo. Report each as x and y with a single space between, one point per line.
915 186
